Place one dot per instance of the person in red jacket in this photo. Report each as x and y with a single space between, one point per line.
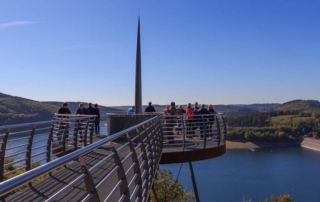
189 118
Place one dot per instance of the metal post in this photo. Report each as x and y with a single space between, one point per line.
219 131
124 190
183 133
88 181
86 134
144 157
205 135
49 143
3 154
75 134
29 148
136 169
92 129
194 182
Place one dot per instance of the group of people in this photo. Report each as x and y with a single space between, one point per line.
193 120
84 111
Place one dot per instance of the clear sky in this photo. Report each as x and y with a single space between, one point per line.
210 51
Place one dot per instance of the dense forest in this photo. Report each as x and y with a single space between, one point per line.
286 122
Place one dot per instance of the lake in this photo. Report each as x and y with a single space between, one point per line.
256 175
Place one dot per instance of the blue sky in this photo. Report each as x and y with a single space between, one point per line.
210 51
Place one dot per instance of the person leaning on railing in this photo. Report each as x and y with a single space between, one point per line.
64 109
82 124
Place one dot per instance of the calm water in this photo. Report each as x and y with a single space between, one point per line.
255 175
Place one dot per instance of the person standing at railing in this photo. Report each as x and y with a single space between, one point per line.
91 109
172 121
180 111
150 108
92 120
210 119
189 119
82 124
97 120
64 109
202 118
131 110
64 125
196 120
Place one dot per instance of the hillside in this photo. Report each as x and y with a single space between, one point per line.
298 105
14 110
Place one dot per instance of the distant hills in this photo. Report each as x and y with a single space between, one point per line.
14 109
298 105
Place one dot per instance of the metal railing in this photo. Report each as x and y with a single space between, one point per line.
135 151
25 146
179 131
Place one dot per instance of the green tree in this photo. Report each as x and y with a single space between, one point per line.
281 198
169 190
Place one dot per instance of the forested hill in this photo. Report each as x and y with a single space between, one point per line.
15 110
298 105
73 106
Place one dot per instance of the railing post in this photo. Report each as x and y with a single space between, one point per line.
183 132
86 133
136 169
204 131
75 134
3 154
144 157
224 127
218 129
64 138
124 190
88 181
49 143
92 129
29 149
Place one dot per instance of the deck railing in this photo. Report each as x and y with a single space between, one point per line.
25 146
136 153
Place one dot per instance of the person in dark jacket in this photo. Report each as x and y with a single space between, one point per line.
64 125
150 108
202 119
64 109
82 111
91 109
97 120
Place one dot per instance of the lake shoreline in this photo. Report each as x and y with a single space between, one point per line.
308 143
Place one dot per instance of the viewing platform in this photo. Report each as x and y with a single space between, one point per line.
116 165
